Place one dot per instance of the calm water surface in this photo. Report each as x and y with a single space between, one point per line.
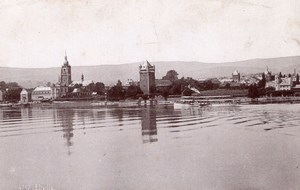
241 147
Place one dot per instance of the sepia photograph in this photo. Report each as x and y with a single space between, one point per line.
149 95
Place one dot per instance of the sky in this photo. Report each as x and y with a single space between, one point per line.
36 33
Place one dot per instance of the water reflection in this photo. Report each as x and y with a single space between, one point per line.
66 118
148 121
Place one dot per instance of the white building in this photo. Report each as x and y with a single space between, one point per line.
281 84
25 96
45 93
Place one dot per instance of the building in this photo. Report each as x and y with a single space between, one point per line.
268 75
236 76
281 84
25 96
42 93
130 82
65 77
147 78
81 87
162 85
81 83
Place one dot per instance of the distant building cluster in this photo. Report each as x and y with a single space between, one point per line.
282 83
64 87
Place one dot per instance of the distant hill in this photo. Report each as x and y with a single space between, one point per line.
109 74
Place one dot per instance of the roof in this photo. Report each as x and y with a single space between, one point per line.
215 81
24 91
270 84
145 65
76 90
286 81
42 88
235 72
162 83
83 83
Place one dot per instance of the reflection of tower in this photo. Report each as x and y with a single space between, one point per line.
26 113
65 76
147 78
149 130
66 118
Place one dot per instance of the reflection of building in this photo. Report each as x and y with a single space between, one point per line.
1 96
236 77
66 117
147 78
25 96
149 129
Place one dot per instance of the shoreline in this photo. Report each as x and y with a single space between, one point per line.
130 103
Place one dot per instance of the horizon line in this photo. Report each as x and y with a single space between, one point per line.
150 62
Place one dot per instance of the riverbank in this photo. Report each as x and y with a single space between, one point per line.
130 103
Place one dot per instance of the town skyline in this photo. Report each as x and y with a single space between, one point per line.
37 33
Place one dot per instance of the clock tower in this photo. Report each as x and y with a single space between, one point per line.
147 78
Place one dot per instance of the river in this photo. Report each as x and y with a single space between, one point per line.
233 147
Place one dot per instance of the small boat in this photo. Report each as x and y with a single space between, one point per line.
6 105
200 101
190 101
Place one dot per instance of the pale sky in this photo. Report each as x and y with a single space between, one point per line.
36 33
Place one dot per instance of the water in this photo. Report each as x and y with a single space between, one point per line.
239 147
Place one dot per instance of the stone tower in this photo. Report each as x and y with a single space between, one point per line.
65 74
147 78
65 77
236 76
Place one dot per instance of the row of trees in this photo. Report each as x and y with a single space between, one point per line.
11 91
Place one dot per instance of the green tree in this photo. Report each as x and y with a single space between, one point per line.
262 82
187 92
13 94
99 88
253 91
178 86
133 91
116 92
2 85
171 75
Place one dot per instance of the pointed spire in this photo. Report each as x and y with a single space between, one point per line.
82 77
66 62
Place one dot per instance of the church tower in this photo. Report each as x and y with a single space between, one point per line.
65 73
147 78
65 77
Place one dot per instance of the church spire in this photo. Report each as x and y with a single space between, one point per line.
66 62
82 77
